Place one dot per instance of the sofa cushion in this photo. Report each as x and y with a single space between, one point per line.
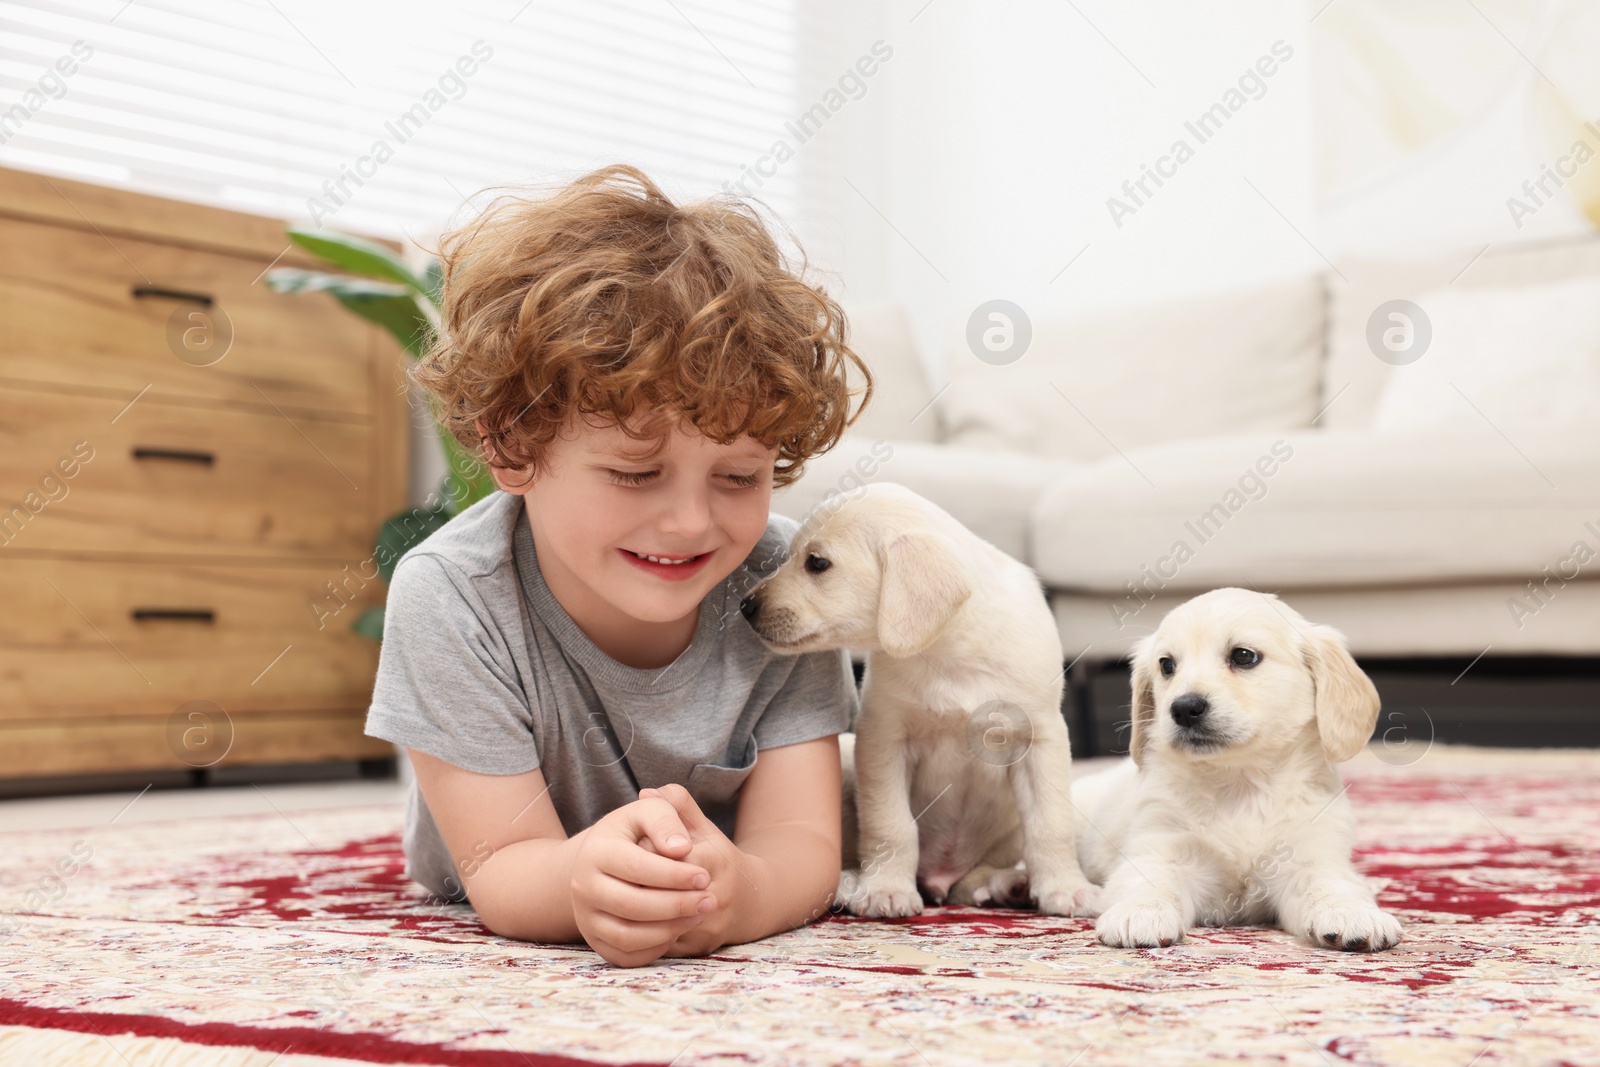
901 404
1515 356
1087 386
1357 377
1458 621
1326 508
992 493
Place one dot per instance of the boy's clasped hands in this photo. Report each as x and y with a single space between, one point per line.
658 878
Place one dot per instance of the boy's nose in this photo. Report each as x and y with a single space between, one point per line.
689 516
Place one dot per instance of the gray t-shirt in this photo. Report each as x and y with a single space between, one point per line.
482 667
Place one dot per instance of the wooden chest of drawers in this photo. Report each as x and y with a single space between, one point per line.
192 472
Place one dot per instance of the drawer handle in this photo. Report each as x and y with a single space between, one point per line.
185 455
172 294
181 614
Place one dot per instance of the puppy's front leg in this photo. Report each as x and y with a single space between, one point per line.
887 883
1323 899
1150 898
1040 782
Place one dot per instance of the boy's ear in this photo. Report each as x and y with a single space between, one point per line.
922 585
508 481
504 477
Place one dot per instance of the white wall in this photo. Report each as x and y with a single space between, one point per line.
1433 116
1003 130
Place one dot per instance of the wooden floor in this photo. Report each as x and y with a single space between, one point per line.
156 805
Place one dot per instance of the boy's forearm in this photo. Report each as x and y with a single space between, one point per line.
793 877
524 891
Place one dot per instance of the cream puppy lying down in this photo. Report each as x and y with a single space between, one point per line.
1228 811
961 760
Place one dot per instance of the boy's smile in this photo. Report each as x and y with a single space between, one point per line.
670 568
631 543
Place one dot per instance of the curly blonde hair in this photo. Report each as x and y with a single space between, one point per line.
606 300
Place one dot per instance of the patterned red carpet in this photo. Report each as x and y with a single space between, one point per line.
295 940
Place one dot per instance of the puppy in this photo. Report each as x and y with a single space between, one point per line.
1228 811
961 759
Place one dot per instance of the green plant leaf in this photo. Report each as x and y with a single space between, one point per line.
359 255
369 624
394 307
433 274
296 280
400 315
404 531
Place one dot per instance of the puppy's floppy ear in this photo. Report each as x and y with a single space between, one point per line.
923 583
1144 698
1346 700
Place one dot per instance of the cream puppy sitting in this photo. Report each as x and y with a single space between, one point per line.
961 757
1228 811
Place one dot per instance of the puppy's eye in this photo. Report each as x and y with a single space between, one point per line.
1244 657
1167 666
817 564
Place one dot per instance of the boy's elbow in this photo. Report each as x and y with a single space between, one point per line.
526 920
498 925
495 918
527 927
522 895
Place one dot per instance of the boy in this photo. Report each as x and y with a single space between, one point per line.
603 750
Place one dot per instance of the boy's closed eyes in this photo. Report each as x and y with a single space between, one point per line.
629 546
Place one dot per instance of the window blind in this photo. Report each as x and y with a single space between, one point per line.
388 118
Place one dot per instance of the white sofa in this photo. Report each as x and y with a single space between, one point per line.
1094 455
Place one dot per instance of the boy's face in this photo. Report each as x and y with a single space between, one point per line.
599 509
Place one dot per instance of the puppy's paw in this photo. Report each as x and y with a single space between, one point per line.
1006 888
885 899
849 889
1353 928
1139 925
1075 897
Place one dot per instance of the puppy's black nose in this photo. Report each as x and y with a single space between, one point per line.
1189 709
750 607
